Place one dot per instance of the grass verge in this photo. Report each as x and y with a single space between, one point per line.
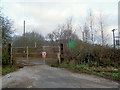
106 72
8 69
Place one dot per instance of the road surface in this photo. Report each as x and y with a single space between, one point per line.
43 76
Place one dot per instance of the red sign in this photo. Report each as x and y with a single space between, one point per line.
43 54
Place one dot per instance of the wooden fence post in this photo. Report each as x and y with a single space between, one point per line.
61 53
11 57
9 52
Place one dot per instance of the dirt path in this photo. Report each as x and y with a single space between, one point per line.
43 76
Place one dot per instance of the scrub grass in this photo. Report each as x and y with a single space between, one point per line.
8 69
106 72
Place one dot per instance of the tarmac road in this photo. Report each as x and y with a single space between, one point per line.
43 76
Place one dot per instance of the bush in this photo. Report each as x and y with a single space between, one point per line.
8 69
93 55
5 58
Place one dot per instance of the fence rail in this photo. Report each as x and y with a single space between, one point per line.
35 52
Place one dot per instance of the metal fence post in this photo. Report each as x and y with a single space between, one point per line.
27 54
44 51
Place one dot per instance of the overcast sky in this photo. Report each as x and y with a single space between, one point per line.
43 16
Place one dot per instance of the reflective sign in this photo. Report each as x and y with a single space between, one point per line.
43 54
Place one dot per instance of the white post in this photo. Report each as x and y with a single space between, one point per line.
44 51
27 54
35 44
11 56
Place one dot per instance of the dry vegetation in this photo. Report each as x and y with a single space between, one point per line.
93 55
99 60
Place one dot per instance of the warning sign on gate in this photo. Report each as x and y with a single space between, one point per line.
43 54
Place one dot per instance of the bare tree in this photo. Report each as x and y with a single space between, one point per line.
102 26
64 33
91 25
88 27
86 32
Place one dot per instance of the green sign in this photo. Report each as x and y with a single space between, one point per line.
71 44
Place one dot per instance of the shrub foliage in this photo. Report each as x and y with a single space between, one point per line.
93 55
